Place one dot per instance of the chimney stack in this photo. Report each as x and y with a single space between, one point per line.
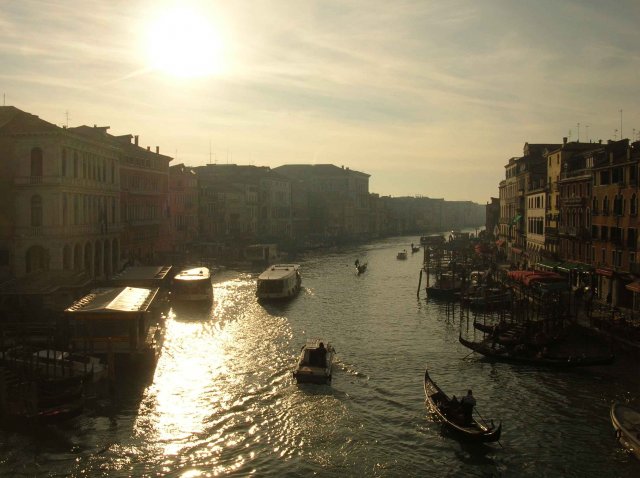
148 148
564 140
157 149
135 140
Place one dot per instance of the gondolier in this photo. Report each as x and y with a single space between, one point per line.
468 403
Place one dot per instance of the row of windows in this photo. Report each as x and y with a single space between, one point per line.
616 235
85 209
619 205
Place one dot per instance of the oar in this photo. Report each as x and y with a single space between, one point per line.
485 423
469 354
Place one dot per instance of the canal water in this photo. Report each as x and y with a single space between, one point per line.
222 401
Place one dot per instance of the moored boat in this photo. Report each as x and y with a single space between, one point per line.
402 255
280 281
315 362
361 268
626 421
446 287
449 413
193 285
522 354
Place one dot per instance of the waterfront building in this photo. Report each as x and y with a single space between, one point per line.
60 225
522 175
338 199
144 190
244 203
556 159
183 210
508 196
574 210
535 211
614 231
492 218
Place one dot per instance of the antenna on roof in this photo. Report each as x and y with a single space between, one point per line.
578 132
209 151
620 124
3 98
66 115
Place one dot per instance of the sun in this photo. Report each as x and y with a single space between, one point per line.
184 43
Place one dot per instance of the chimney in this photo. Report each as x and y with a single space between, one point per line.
148 148
157 149
564 140
135 140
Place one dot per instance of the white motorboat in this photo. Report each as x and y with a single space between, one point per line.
280 281
314 364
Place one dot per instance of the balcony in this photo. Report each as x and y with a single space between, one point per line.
575 232
575 201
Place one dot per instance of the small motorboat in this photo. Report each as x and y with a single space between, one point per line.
402 255
314 365
626 421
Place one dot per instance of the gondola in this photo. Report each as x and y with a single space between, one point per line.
508 354
441 405
503 334
626 421
361 268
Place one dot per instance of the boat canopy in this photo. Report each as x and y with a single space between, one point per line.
118 299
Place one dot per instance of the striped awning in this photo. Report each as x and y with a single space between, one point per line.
604 272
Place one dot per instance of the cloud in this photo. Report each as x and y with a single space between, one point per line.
440 90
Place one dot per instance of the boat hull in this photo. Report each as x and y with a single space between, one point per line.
311 368
626 422
502 355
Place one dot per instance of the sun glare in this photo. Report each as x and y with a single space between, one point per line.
184 43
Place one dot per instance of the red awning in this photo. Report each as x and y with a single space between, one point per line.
634 286
500 242
604 272
516 250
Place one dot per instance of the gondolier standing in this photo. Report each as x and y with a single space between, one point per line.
468 402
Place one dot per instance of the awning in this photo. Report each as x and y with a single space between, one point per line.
574 266
516 250
500 242
548 265
604 272
515 219
634 286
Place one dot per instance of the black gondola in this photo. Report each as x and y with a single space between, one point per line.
361 268
510 355
442 406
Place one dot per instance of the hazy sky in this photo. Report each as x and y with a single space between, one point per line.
429 97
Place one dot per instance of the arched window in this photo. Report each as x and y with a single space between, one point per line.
36 211
75 164
605 205
36 162
633 205
594 205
